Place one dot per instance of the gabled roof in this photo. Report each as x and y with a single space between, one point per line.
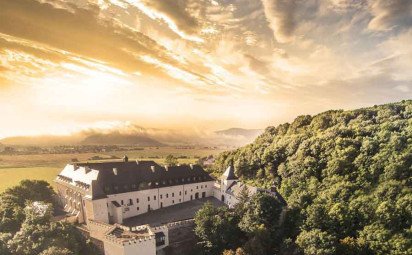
120 177
229 174
236 188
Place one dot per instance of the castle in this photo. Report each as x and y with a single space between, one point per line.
107 197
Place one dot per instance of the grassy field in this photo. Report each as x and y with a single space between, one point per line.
12 176
14 168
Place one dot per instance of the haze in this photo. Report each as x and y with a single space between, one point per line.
67 66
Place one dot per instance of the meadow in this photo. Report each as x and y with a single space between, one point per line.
14 168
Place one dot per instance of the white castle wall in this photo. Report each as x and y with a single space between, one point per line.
156 198
145 246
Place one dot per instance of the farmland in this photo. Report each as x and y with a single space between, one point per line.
14 168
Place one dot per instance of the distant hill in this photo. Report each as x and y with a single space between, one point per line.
247 133
39 140
120 139
144 137
346 176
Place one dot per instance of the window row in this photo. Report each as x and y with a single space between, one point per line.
130 201
146 185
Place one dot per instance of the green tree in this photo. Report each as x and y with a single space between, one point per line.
13 202
243 199
56 251
171 160
316 242
4 238
217 229
32 200
260 222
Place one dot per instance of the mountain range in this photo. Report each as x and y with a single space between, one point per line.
138 136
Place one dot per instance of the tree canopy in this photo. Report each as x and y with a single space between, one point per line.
346 176
249 228
32 231
171 160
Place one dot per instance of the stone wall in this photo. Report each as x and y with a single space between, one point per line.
182 239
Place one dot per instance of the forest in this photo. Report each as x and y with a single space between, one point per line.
346 176
27 226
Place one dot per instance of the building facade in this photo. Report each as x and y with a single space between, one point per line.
110 192
102 195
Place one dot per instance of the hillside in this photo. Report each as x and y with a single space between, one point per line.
247 133
346 176
121 139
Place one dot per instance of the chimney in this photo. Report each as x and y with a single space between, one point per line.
115 171
167 168
153 168
75 167
125 158
191 166
87 169
137 162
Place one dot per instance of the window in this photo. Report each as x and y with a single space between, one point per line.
180 200
201 186
205 186
121 202
148 198
173 194
137 200
197 187
180 193
173 201
167 195
191 190
160 239
130 202
154 197
185 192
161 196
137 208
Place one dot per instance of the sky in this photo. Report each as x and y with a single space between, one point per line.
69 65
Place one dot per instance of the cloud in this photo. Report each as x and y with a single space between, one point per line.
57 32
398 57
390 14
186 18
80 31
344 5
281 17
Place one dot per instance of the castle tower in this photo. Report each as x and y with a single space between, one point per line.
228 177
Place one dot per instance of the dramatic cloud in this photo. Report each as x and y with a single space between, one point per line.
76 30
281 15
389 14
